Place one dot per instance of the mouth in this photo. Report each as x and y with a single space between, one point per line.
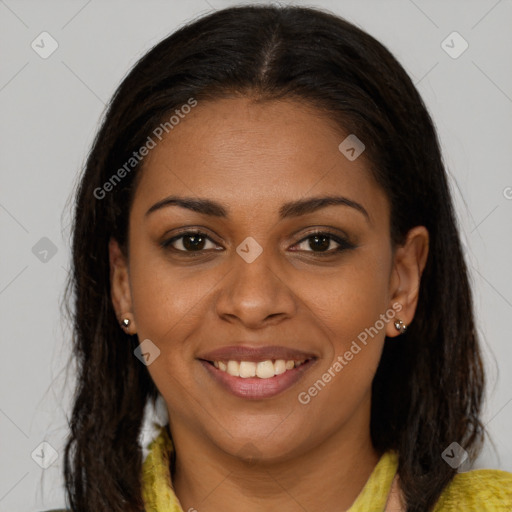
256 373
262 369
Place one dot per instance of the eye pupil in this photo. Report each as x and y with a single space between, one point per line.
196 244
324 244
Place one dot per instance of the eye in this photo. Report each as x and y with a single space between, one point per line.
190 241
322 242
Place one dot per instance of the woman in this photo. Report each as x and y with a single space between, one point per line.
265 239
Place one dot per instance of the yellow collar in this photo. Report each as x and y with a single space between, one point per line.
158 493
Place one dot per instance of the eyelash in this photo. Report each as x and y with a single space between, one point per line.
343 243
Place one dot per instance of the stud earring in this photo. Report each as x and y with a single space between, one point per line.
125 324
400 326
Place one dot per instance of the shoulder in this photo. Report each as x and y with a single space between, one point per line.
485 490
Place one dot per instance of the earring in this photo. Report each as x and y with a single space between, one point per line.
400 326
125 324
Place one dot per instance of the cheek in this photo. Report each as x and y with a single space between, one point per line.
352 299
164 294
352 307
168 304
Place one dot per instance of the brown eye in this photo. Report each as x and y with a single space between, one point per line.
322 242
193 242
189 242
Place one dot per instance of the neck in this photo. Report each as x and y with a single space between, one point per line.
328 476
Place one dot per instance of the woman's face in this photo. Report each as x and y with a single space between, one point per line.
257 286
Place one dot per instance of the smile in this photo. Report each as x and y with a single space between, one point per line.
263 369
257 380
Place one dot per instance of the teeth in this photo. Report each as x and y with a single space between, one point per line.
263 369
247 369
279 366
233 368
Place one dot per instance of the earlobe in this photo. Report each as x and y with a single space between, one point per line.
409 262
120 287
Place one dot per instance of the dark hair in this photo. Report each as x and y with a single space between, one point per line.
428 388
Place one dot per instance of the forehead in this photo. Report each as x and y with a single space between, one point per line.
249 154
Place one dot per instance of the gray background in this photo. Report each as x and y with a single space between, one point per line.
50 110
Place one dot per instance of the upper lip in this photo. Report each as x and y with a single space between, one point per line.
255 354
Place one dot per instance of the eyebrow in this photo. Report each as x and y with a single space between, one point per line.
287 210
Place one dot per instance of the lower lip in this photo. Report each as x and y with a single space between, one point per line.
255 388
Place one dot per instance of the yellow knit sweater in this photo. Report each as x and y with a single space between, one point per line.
483 490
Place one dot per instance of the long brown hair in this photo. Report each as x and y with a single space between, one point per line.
428 388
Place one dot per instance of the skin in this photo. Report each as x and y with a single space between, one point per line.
272 454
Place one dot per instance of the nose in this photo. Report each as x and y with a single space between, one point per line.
255 294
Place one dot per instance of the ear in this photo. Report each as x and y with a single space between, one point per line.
120 286
408 265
